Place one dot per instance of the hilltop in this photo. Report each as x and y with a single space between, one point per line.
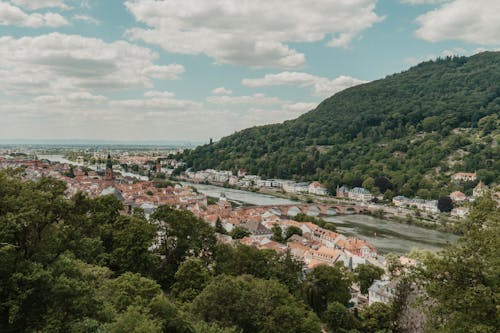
414 128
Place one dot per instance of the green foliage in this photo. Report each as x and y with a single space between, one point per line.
190 279
132 237
409 128
339 319
293 230
183 235
239 232
277 233
377 318
326 284
241 260
462 283
445 204
365 274
254 305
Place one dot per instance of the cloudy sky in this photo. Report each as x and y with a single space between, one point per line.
197 69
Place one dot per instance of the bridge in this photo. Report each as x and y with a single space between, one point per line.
314 209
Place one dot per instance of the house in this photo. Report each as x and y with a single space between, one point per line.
317 188
464 177
342 192
400 201
360 194
479 190
382 291
356 246
458 196
459 212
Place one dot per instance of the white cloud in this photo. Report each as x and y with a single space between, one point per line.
469 21
86 19
79 98
169 72
300 107
255 99
222 91
423 2
56 64
38 4
158 103
159 94
250 32
321 86
12 15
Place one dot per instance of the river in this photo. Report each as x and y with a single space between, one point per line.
245 197
386 236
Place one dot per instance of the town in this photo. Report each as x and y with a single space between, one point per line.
290 228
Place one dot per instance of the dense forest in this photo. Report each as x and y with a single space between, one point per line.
90 265
414 129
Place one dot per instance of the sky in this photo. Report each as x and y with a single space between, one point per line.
191 70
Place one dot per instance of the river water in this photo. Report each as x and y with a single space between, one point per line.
386 236
245 197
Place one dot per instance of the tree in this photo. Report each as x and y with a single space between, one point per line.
462 282
293 230
132 238
376 318
339 319
326 284
277 233
239 232
183 235
383 184
219 227
445 204
253 305
190 279
365 274
134 320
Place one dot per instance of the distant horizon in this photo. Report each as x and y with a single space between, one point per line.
83 142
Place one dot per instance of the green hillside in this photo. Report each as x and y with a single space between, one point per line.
414 128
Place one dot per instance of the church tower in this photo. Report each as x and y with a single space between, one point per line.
109 169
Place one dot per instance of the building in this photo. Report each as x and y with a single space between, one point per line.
479 190
458 196
360 194
464 177
342 192
382 291
459 212
108 175
317 188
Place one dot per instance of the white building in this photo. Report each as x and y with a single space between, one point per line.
382 291
317 188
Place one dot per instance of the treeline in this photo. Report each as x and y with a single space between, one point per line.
414 128
87 265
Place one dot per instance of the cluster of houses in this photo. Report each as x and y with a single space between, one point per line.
241 179
315 246
430 206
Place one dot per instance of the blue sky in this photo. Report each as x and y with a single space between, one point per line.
195 69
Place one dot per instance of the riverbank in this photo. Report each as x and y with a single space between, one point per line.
387 212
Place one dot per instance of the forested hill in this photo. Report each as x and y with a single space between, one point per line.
414 128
